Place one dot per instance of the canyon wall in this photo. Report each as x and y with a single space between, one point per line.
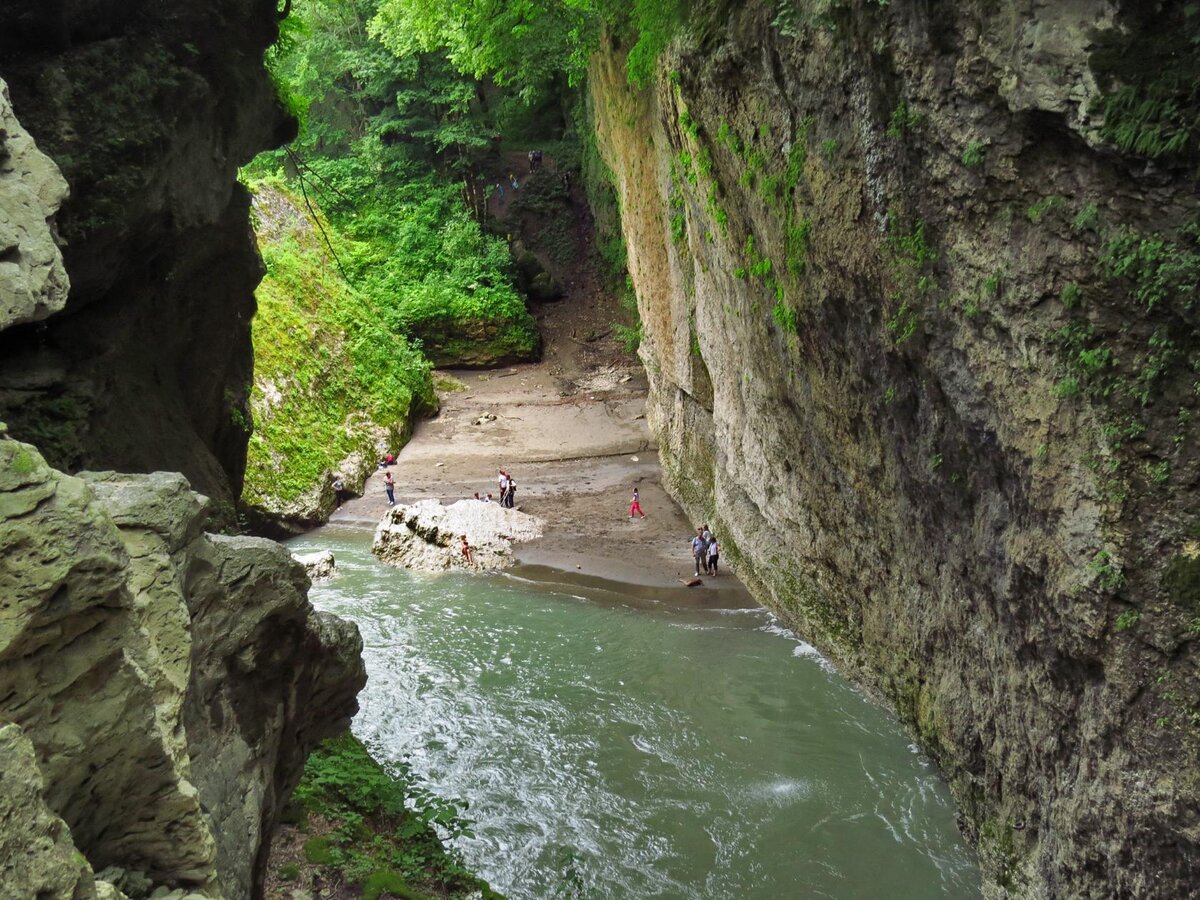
922 348
160 686
148 108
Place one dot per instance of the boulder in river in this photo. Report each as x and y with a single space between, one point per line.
319 565
428 536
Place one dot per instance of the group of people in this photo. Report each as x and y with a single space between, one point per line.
508 491
706 551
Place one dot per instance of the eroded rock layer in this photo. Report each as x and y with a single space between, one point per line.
922 346
171 681
148 108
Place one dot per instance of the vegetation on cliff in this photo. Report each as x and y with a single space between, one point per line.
355 823
331 376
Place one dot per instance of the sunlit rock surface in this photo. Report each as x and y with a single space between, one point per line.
428 536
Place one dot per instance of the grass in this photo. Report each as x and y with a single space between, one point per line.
375 829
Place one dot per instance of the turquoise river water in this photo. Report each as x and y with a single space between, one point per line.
630 750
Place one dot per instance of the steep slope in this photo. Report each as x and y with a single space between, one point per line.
332 383
923 345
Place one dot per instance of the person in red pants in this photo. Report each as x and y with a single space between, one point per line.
635 505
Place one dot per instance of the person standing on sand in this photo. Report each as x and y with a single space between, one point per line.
699 548
635 505
714 555
466 550
508 497
389 487
502 479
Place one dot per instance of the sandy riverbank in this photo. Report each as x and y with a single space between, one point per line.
572 431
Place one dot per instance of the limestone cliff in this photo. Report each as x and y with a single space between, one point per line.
171 681
922 338
148 108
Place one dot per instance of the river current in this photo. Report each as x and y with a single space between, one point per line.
615 750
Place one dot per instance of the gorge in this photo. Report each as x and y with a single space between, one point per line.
915 289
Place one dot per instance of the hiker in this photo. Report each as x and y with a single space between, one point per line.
466 550
513 178
708 539
508 497
635 505
339 491
714 554
699 549
500 190
389 487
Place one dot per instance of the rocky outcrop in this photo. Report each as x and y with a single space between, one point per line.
37 854
33 283
148 109
921 344
317 566
428 536
170 681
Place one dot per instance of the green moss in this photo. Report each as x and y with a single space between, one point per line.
319 851
385 883
23 462
288 872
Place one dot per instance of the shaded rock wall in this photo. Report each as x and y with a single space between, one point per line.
900 355
172 682
148 108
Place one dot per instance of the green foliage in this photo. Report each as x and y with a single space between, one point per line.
829 149
796 241
1071 295
912 265
1039 210
529 46
1085 218
678 227
383 825
327 365
1149 67
1107 571
973 154
785 317
1161 269
903 119
1127 619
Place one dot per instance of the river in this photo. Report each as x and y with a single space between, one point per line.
630 750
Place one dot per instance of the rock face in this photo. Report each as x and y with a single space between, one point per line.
921 346
317 566
428 536
37 854
171 682
33 283
148 108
